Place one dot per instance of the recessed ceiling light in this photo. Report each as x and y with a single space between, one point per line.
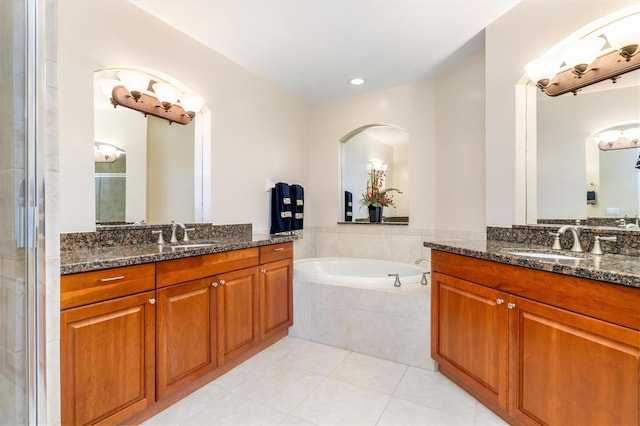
356 81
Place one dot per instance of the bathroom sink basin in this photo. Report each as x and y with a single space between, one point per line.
192 245
543 255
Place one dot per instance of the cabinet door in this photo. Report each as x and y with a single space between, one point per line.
187 334
276 292
237 312
469 336
107 359
570 369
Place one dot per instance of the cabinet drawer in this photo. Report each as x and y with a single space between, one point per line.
96 286
192 268
275 252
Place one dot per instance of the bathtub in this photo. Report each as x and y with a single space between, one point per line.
356 272
353 304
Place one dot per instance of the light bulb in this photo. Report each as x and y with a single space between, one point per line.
191 104
134 81
543 69
624 35
581 53
633 134
166 93
610 136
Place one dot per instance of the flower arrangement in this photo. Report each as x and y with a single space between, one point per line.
376 196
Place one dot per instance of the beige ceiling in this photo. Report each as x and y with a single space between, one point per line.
311 48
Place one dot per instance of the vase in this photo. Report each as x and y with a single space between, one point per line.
375 214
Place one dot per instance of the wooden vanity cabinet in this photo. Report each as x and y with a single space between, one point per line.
107 348
237 313
187 333
537 347
276 289
212 299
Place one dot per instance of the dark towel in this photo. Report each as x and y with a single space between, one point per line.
297 198
281 208
348 206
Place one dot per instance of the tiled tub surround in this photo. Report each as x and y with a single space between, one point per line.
133 245
611 268
390 323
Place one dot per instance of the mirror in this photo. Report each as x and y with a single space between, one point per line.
375 150
164 173
567 154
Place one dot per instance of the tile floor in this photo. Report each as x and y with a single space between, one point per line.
298 382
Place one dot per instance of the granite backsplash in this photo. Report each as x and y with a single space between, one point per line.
627 241
112 236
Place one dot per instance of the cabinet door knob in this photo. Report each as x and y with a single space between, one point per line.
222 282
215 283
511 305
264 271
499 301
152 301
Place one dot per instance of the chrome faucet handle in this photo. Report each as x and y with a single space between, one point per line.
556 241
397 281
186 236
425 280
160 239
597 249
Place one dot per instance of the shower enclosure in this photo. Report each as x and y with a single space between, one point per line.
19 213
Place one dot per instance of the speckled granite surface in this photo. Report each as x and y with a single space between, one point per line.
615 269
116 236
92 259
627 241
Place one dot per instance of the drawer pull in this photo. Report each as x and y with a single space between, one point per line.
222 282
511 305
105 280
279 249
152 301
499 301
215 283
264 271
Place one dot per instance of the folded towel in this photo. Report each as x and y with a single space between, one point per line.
348 206
281 208
297 198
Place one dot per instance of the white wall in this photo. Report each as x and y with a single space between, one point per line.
525 32
460 146
256 128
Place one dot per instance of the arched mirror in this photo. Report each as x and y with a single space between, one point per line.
165 177
375 175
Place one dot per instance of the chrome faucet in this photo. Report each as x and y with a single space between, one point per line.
174 225
575 231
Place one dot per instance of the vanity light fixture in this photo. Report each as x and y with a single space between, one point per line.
619 137
132 91
106 153
605 54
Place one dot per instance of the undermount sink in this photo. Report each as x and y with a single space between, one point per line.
543 255
193 245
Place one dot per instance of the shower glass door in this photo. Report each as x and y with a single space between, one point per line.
17 194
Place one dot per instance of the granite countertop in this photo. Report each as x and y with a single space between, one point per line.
92 259
611 268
